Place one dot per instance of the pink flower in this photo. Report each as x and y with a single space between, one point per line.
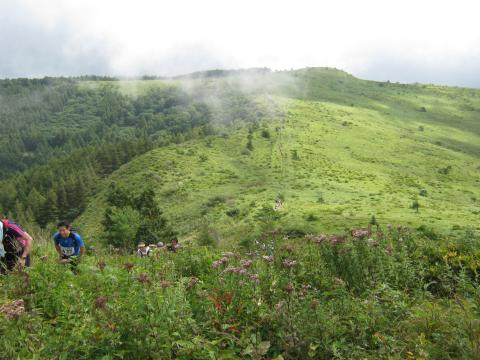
128 266
246 263
218 263
268 258
336 239
232 269
360 233
289 263
100 302
389 249
13 309
242 272
143 279
254 278
289 288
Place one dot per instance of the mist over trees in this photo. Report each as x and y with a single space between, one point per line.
60 137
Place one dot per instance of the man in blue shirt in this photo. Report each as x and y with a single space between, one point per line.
69 245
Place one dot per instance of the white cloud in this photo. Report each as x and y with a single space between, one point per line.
171 37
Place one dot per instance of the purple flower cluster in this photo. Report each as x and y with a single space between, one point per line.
143 279
14 309
322 238
218 263
246 263
289 263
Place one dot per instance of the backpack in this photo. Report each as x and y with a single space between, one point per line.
9 240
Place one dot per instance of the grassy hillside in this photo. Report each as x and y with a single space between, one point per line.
324 149
336 150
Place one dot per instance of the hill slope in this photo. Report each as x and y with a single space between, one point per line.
336 150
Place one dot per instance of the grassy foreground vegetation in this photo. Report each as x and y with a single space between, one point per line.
387 295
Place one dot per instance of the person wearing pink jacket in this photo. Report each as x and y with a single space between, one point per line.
17 244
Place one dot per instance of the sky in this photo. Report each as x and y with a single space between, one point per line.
406 41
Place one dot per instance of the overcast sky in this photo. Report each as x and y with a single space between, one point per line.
407 41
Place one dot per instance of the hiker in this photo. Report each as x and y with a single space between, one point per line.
143 250
16 243
174 245
2 249
69 244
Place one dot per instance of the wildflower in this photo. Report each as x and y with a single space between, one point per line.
289 263
100 302
389 249
339 281
230 269
165 284
193 281
254 278
314 304
360 233
320 239
143 279
246 263
336 239
101 265
128 266
242 271
306 286
13 309
289 288
268 258
218 263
